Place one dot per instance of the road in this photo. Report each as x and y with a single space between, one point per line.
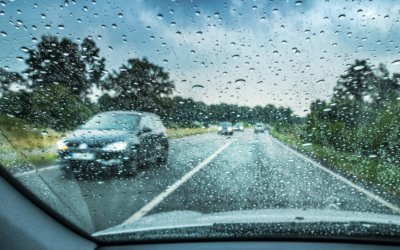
253 172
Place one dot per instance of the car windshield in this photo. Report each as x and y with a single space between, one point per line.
225 124
117 115
115 121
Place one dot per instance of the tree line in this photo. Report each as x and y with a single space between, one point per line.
53 90
362 116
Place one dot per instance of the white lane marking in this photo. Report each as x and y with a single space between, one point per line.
33 171
373 196
142 212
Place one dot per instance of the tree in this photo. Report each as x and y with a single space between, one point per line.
141 85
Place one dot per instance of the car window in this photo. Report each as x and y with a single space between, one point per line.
112 121
80 79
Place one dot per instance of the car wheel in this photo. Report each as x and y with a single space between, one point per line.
162 153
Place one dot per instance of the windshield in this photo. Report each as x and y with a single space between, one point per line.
225 124
116 122
118 116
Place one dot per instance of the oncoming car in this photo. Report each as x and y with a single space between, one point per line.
225 128
238 127
259 128
117 141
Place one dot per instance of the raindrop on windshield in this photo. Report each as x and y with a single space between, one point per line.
4 33
197 87
120 15
173 24
359 67
199 33
61 27
235 56
44 132
198 13
298 3
240 81
396 62
159 16
178 33
24 49
321 81
342 16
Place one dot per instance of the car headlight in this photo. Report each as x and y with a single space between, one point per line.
241 127
219 128
115 146
229 129
61 145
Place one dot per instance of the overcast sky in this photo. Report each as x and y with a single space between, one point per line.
282 49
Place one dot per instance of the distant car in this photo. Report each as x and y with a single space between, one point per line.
259 128
116 141
225 128
238 127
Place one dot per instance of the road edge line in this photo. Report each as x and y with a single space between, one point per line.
348 182
157 200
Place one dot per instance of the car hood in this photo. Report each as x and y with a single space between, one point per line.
186 219
99 136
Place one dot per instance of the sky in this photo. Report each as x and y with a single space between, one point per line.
288 53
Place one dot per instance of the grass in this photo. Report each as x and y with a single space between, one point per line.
173 133
373 170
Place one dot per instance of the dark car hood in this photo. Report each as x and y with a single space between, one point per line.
101 136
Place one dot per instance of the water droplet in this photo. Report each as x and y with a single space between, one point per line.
20 58
178 33
321 81
152 38
259 82
24 49
43 16
327 109
2 13
4 33
44 132
306 144
235 56
171 11
396 62
120 15
111 48
359 11
47 26
284 42
34 40
114 25
251 69
61 27
298 3
240 81
193 52
197 87
364 39
216 14
122 69
160 17
173 24
165 61
359 67
342 16
334 44
19 22
386 17
183 81
275 52
198 13
372 156
199 33
275 10
100 182
254 7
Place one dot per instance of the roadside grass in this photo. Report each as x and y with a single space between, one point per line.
372 170
174 133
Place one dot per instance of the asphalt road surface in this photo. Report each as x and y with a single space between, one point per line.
221 173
